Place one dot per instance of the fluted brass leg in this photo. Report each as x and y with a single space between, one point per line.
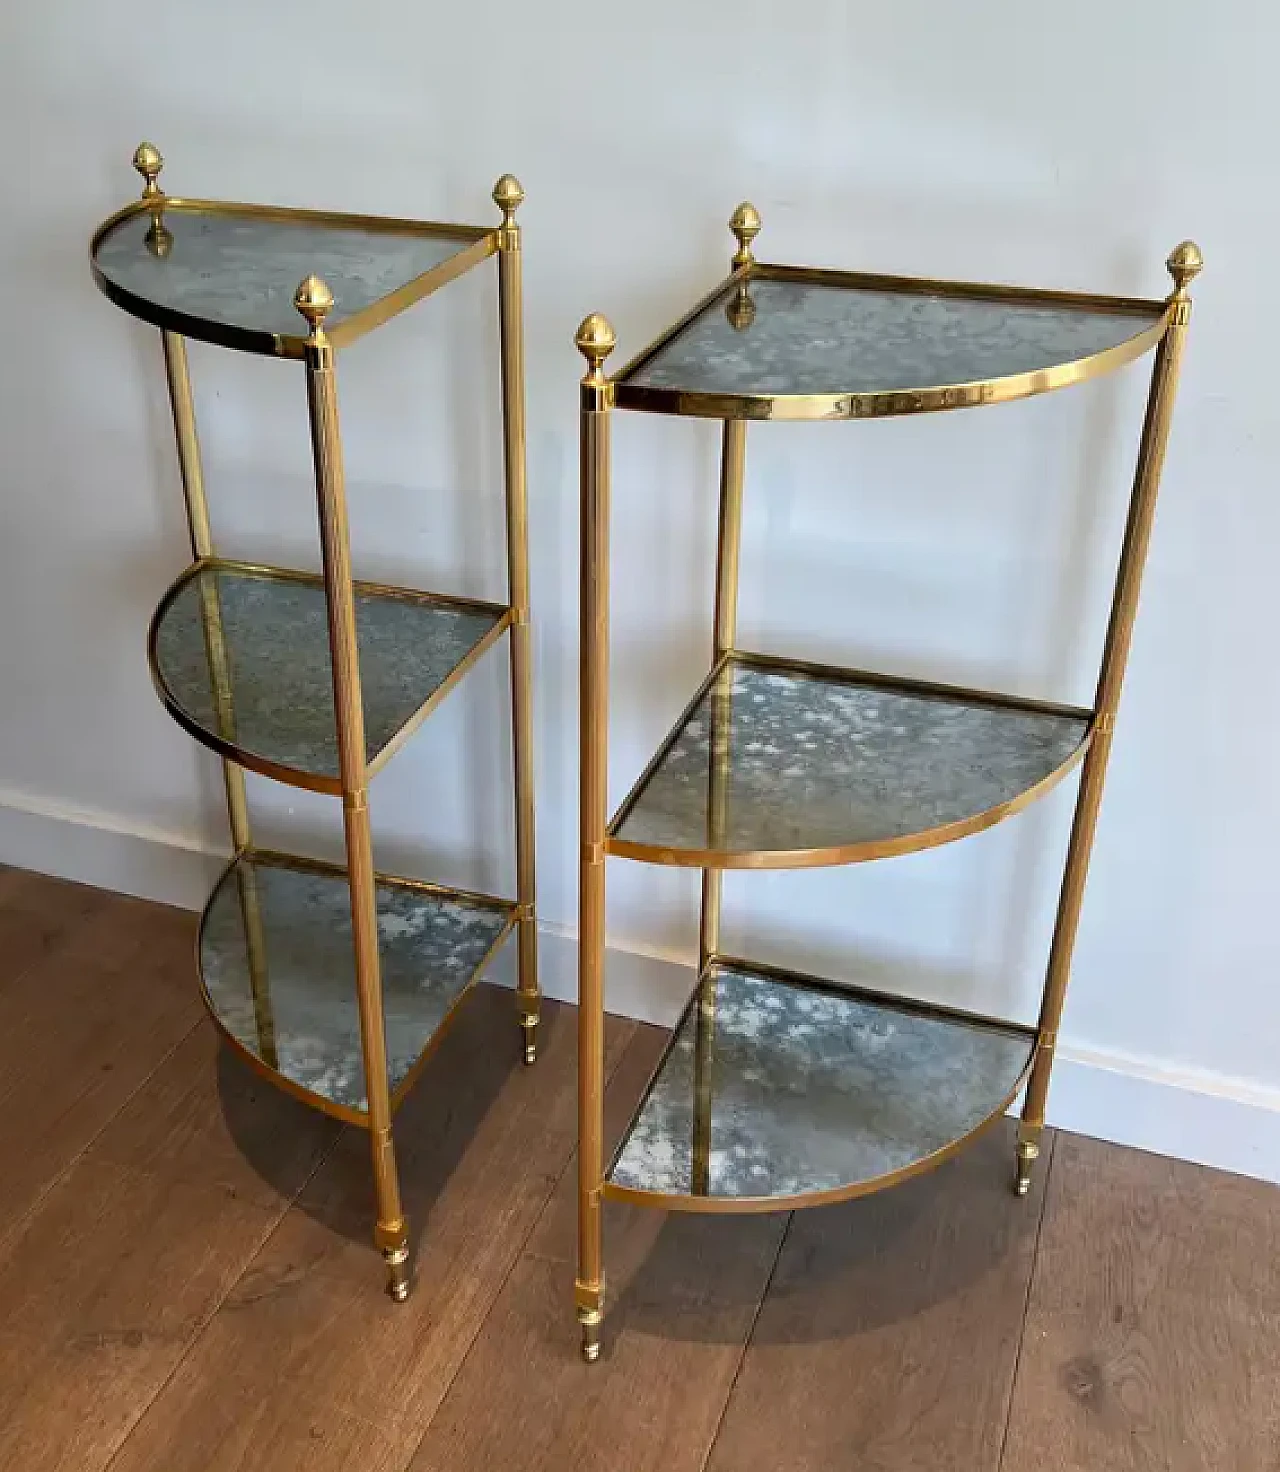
1184 264
508 196
1028 1154
391 1233
595 341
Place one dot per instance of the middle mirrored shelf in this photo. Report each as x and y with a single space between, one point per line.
777 764
240 656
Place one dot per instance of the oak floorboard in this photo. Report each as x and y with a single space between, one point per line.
80 1032
307 1350
1153 1330
115 1272
682 1294
38 914
890 1333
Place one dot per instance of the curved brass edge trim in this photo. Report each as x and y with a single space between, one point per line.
275 859
888 403
281 1081
853 853
754 1205
293 346
267 766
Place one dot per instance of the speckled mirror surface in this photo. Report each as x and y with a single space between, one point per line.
805 762
299 1013
242 270
785 1089
812 338
270 640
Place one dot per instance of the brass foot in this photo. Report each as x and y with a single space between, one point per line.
1028 1154
529 1026
399 1273
590 1319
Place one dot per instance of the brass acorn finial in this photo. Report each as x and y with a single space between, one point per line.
745 224
596 339
1185 263
148 161
508 195
314 300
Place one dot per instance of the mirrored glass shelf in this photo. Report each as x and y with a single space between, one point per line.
227 273
784 342
777 764
240 656
278 972
781 1091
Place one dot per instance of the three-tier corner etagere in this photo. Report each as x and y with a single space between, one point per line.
336 983
779 1090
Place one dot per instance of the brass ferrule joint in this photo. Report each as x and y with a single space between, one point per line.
597 398
593 852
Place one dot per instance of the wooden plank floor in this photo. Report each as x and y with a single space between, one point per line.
187 1282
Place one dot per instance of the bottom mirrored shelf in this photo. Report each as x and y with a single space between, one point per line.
278 972
781 1091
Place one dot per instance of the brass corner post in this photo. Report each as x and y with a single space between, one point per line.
1184 265
745 225
508 196
596 340
314 300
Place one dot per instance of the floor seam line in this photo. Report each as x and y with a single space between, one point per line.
24 1221
521 1255
217 1308
746 1344
1026 1304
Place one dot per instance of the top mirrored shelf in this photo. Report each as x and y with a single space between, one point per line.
227 273
787 343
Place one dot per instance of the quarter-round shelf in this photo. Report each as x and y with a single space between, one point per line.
227 273
779 1091
781 342
240 657
277 972
776 764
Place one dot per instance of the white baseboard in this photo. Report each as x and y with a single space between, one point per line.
1214 1119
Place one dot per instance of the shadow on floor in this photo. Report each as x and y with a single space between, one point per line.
439 1119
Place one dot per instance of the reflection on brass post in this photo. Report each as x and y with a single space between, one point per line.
314 300
596 340
728 548
508 196
182 403
148 162
1184 265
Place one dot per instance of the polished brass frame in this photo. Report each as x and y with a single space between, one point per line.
315 348
1159 324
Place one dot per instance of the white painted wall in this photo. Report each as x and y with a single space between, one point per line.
1071 147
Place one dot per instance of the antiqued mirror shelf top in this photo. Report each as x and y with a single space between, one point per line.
241 657
780 342
777 764
776 1090
277 966
227 273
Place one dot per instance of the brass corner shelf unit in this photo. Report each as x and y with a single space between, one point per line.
777 1090
334 982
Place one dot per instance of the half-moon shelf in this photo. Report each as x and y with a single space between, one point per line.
791 343
277 971
776 765
780 1091
240 656
227 273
